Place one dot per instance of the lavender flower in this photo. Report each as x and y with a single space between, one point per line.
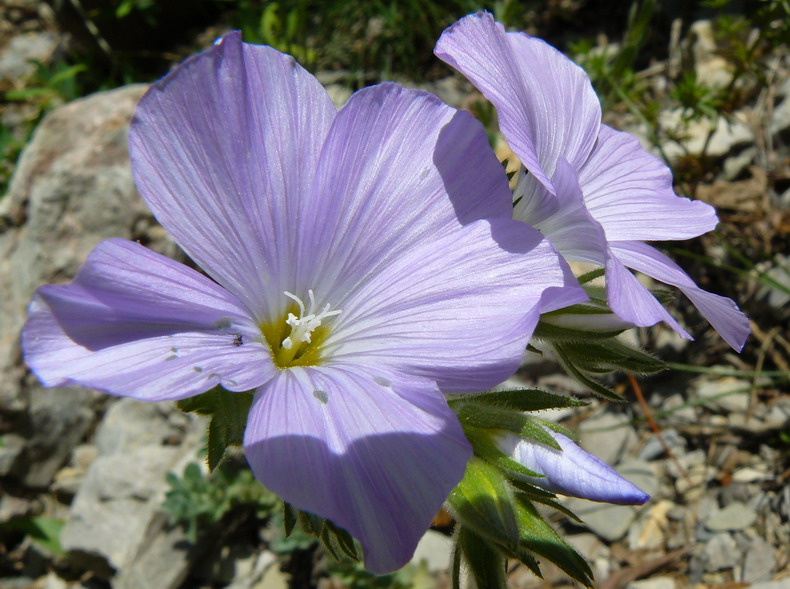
593 191
571 471
364 262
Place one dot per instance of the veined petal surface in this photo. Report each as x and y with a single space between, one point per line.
568 225
546 105
572 471
373 451
222 151
631 301
458 308
137 324
399 167
722 313
629 192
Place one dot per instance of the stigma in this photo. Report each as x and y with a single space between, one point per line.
303 326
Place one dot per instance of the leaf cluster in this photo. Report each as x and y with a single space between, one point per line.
199 499
494 503
588 355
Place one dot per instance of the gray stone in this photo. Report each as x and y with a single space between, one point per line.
110 516
721 552
654 449
115 522
777 269
11 451
16 57
59 419
257 571
606 435
760 562
726 394
725 134
610 522
737 164
131 424
162 561
736 516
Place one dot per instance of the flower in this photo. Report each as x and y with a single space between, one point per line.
593 191
364 263
571 471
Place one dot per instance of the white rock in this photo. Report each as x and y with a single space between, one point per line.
435 549
736 516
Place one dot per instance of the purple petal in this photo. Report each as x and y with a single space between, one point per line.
631 301
563 218
458 308
399 166
722 313
545 102
572 471
137 324
630 193
221 150
375 452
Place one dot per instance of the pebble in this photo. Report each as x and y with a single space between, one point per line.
721 552
606 435
760 562
726 394
435 549
736 516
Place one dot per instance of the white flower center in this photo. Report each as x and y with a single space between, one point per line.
303 326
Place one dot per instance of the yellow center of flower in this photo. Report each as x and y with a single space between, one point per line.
295 338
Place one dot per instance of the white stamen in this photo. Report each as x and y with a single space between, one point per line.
303 326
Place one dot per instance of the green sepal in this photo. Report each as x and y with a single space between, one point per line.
591 384
522 399
485 564
611 355
534 493
484 502
548 331
539 537
556 427
485 448
228 412
337 541
495 417
289 519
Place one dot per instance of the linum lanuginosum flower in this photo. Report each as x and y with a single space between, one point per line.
593 191
364 262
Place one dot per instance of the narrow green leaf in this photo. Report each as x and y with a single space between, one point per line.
540 538
533 430
216 443
484 563
455 567
594 386
524 399
343 540
485 416
44 531
289 518
533 493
